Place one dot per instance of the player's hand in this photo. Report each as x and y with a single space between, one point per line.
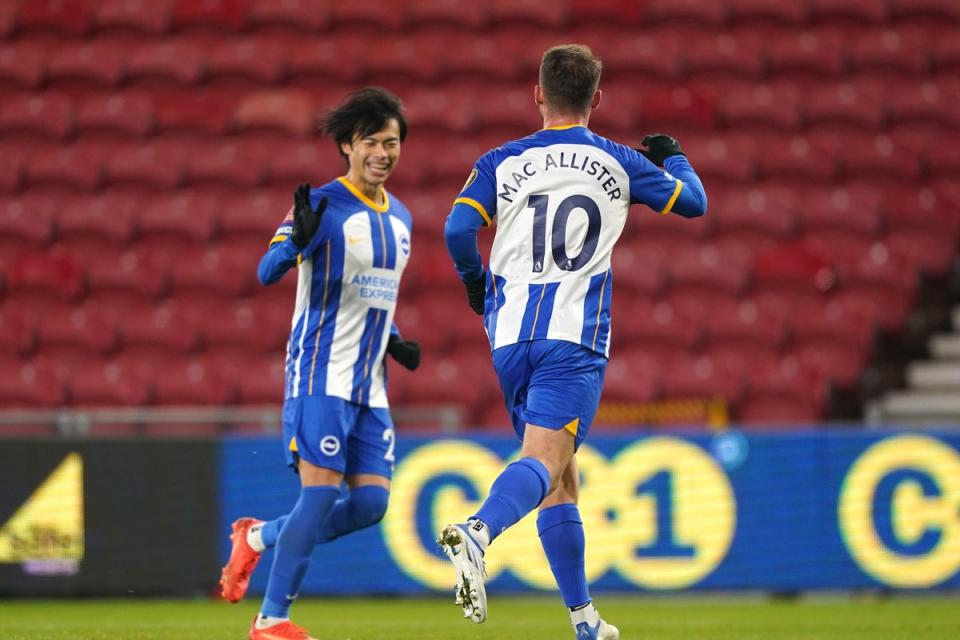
657 147
476 292
306 219
406 352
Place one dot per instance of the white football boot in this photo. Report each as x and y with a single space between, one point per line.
602 631
467 558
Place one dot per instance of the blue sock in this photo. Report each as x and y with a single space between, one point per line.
270 531
516 492
297 539
363 507
561 534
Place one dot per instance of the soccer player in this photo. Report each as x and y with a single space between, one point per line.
350 241
561 197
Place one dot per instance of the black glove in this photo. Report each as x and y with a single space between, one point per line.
476 292
306 221
659 147
406 352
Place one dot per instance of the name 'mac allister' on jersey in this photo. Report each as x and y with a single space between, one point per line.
347 284
560 197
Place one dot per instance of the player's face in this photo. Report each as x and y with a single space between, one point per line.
373 157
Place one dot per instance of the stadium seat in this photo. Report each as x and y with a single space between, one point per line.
657 327
841 364
925 101
172 61
227 163
17 331
157 163
781 391
191 383
96 61
450 108
944 53
134 276
61 17
766 209
636 273
651 55
128 114
852 207
374 14
466 16
745 325
149 17
933 252
731 158
262 383
739 55
186 215
321 59
217 270
631 377
312 16
44 115
440 381
246 327
698 378
215 15
204 112
859 103
771 106
921 208
292 162
794 159
252 217
708 273
252 61
78 166
753 12
94 224
899 52
606 12
22 63
287 112
86 329
168 329
8 18
111 383
30 386
944 11
541 15
11 168
693 12
38 274
791 269
854 11
815 53
688 107
26 221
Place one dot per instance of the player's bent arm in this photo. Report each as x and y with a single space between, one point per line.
691 202
279 258
460 234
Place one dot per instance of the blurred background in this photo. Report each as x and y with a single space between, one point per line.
149 148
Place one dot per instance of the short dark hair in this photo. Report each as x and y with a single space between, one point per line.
363 113
569 76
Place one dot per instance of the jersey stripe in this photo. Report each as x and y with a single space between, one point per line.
541 322
372 333
377 240
531 313
305 280
495 290
595 325
391 240
673 199
323 312
476 205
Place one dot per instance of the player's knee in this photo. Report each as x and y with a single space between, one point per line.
369 504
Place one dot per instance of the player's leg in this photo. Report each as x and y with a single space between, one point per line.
561 534
317 447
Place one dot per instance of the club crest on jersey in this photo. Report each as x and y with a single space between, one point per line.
330 445
470 180
405 245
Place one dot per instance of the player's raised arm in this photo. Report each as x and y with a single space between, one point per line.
472 209
294 234
679 182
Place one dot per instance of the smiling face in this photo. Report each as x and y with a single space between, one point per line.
373 157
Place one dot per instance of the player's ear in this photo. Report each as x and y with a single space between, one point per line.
346 148
537 94
597 97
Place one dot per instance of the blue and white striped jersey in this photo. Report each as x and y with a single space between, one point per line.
560 197
348 280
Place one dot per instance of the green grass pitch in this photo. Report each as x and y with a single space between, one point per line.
519 618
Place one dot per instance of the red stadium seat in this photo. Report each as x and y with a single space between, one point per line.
814 53
47 115
189 216
8 18
918 209
854 207
204 112
842 364
775 106
247 327
450 107
934 252
79 166
158 163
605 12
191 383
529 12
312 16
130 276
380 14
225 15
700 377
847 104
322 59
288 112
832 322
252 217
731 158
654 55
31 386
855 11
64 17
738 55
417 57
768 210
440 381
167 328
659 328
97 223
708 273
945 52
45 275
86 329
927 101
795 158
22 63
178 61
27 221
701 12
940 10
151 17
11 168
89 62
17 331
292 162
793 269
467 15
689 107
793 14
898 51
256 61
635 273
262 383
216 271
781 391
111 383
230 163
127 114
631 377
746 325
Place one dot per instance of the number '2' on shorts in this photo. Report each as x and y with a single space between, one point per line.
550 383
337 434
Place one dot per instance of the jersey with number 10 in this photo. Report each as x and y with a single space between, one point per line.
560 197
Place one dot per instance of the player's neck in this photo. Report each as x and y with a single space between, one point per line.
373 192
557 120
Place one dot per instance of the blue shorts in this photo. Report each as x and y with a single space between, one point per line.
550 383
337 434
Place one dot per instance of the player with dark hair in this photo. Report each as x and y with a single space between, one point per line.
350 241
560 197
